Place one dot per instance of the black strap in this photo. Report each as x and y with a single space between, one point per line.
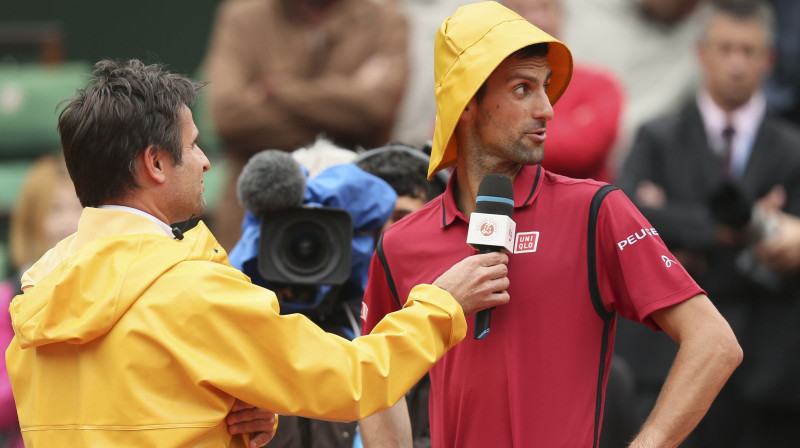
591 249
597 301
386 271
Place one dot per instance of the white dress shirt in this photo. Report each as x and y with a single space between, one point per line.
745 121
167 229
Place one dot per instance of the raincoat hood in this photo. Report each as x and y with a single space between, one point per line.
62 304
469 46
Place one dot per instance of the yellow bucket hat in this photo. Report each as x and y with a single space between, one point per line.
469 46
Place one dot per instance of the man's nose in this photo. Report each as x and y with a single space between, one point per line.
544 110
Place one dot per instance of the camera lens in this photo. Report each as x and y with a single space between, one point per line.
306 248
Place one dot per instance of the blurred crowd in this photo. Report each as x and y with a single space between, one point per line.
692 107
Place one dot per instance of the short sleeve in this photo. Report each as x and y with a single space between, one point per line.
637 274
378 297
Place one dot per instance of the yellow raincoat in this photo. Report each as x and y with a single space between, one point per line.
128 338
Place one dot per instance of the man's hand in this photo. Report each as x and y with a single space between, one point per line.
477 282
781 251
650 195
246 419
373 71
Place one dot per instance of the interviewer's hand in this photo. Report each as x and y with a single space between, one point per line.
246 419
477 282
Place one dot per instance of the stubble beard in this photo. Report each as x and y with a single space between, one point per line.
526 154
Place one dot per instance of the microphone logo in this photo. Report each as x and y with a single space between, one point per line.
487 228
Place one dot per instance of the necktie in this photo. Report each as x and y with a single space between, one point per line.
727 149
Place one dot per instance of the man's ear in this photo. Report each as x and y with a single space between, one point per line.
469 110
154 161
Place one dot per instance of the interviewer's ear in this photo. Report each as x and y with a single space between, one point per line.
155 162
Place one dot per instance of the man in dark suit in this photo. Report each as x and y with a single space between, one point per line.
721 183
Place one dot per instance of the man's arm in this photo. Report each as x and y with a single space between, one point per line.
297 359
684 223
387 429
252 109
366 98
707 356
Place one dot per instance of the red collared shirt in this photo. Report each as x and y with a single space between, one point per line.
535 380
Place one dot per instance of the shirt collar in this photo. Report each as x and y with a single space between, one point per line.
164 226
525 191
745 120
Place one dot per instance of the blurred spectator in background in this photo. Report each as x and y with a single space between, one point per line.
10 436
783 87
418 107
721 183
580 140
405 169
322 154
284 71
647 44
46 211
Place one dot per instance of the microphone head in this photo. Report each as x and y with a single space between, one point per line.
271 180
495 195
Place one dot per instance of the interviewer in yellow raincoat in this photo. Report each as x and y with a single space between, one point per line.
128 336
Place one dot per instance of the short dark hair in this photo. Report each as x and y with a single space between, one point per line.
406 174
539 50
746 10
125 108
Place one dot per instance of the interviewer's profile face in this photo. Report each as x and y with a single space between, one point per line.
736 57
187 177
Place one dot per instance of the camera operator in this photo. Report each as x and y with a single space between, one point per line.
721 183
384 185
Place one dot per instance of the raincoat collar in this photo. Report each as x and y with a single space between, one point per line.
79 289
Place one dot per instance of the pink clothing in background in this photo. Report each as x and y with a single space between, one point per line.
9 427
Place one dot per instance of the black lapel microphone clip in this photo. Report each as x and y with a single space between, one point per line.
178 232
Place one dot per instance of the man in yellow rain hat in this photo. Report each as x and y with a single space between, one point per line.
582 255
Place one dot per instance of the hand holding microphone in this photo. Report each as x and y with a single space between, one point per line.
477 282
491 229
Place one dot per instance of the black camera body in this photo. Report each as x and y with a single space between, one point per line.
306 245
730 207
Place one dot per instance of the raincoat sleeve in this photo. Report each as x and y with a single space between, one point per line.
232 341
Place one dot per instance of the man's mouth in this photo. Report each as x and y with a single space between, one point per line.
538 136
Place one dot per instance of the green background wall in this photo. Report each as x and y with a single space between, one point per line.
174 32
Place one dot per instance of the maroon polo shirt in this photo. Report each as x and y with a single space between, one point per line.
538 379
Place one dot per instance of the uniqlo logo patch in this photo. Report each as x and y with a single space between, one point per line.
526 242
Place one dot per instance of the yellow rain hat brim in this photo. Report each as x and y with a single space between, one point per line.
469 46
